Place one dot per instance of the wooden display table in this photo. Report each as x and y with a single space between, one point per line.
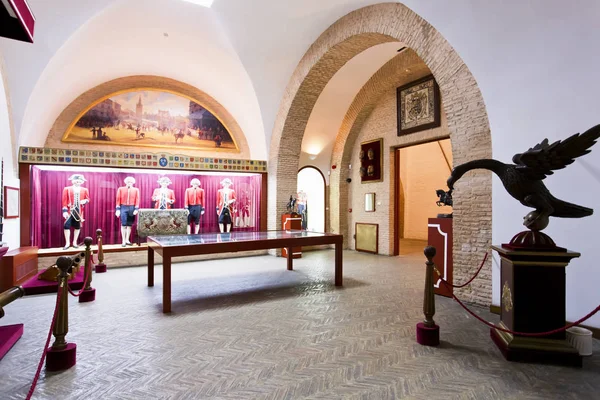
210 243
291 222
439 235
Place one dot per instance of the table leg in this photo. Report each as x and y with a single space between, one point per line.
338 264
150 266
290 259
166 284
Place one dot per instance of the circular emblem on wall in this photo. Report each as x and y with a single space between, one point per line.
163 162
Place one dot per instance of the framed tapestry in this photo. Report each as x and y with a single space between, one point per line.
418 106
371 161
366 237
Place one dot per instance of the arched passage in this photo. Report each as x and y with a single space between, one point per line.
462 102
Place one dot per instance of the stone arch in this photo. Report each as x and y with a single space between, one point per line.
68 115
462 102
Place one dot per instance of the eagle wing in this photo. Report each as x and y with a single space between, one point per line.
541 160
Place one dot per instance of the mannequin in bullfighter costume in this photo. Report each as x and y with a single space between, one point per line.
163 196
74 197
194 203
128 204
225 200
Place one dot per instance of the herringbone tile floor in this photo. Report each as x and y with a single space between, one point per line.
249 329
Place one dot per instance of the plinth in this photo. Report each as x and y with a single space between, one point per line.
100 268
87 295
61 359
533 300
290 222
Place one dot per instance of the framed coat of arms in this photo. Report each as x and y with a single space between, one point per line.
418 106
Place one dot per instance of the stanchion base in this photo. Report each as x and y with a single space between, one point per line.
87 295
428 336
59 360
100 268
536 350
8 337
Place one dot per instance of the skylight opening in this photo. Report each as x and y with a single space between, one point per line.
203 3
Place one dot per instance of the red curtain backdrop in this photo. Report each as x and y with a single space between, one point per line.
46 193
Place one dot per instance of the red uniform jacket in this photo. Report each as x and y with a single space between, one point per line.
68 199
221 199
194 197
134 197
156 197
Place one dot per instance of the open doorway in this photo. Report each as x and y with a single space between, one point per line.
420 170
311 199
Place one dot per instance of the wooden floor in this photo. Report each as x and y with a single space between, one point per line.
247 328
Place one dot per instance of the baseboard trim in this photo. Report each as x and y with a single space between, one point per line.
495 309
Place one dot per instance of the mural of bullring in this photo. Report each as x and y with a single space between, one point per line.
152 118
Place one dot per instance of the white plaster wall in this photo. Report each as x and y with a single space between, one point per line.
11 226
126 39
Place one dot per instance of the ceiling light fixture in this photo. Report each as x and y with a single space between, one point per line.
204 3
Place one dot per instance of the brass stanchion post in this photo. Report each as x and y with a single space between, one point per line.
428 333
89 293
62 355
100 267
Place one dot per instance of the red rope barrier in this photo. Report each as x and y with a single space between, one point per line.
469 281
524 333
85 278
39 368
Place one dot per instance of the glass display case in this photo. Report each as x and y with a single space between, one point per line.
84 199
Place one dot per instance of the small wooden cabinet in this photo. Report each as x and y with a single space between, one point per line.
439 235
17 266
291 222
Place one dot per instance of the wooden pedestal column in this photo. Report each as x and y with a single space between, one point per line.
533 300
439 235
291 222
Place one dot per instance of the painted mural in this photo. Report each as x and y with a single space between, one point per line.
152 118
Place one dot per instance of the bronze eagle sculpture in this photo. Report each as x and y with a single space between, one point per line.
523 180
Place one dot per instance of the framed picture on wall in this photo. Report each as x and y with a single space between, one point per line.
371 161
11 202
418 106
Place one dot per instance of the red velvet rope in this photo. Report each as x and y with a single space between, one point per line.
39 368
85 278
469 281
525 333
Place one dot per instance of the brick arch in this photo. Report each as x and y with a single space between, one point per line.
462 102
69 114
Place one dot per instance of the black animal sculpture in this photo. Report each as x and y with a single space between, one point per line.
523 180
445 198
291 205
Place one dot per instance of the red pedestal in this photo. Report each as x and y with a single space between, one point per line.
59 360
428 336
439 235
8 337
533 291
87 295
100 268
291 222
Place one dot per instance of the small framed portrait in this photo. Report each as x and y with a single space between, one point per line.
371 161
11 202
418 106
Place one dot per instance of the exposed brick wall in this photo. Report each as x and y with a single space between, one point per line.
465 113
69 114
